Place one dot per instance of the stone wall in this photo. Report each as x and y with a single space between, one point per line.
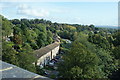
55 51
44 59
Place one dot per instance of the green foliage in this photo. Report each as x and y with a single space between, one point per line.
23 59
30 35
116 52
26 61
16 21
39 71
6 27
94 52
35 34
34 45
116 37
9 54
41 39
80 63
17 39
49 37
99 40
64 34
87 60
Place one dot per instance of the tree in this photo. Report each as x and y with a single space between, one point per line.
116 37
17 30
103 62
26 58
41 40
100 41
6 27
116 52
80 63
16 21
9 54
49 37
26 61
17 39
75 35
92 55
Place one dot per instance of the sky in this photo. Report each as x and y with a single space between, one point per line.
85 13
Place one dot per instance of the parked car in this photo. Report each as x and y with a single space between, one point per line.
51 63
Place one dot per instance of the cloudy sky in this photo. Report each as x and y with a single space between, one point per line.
97 13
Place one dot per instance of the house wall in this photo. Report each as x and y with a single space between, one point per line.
43 60
55 51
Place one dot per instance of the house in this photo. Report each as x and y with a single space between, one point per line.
45 54
56 38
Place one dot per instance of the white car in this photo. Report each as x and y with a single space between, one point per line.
51 63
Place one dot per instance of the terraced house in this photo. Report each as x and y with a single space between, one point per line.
45 54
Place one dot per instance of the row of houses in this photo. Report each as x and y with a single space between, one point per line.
45 54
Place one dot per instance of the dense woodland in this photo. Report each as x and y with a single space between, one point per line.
93 53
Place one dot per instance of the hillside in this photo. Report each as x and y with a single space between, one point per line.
91 52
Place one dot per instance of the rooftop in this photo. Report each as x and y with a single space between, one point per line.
12 72
40 52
